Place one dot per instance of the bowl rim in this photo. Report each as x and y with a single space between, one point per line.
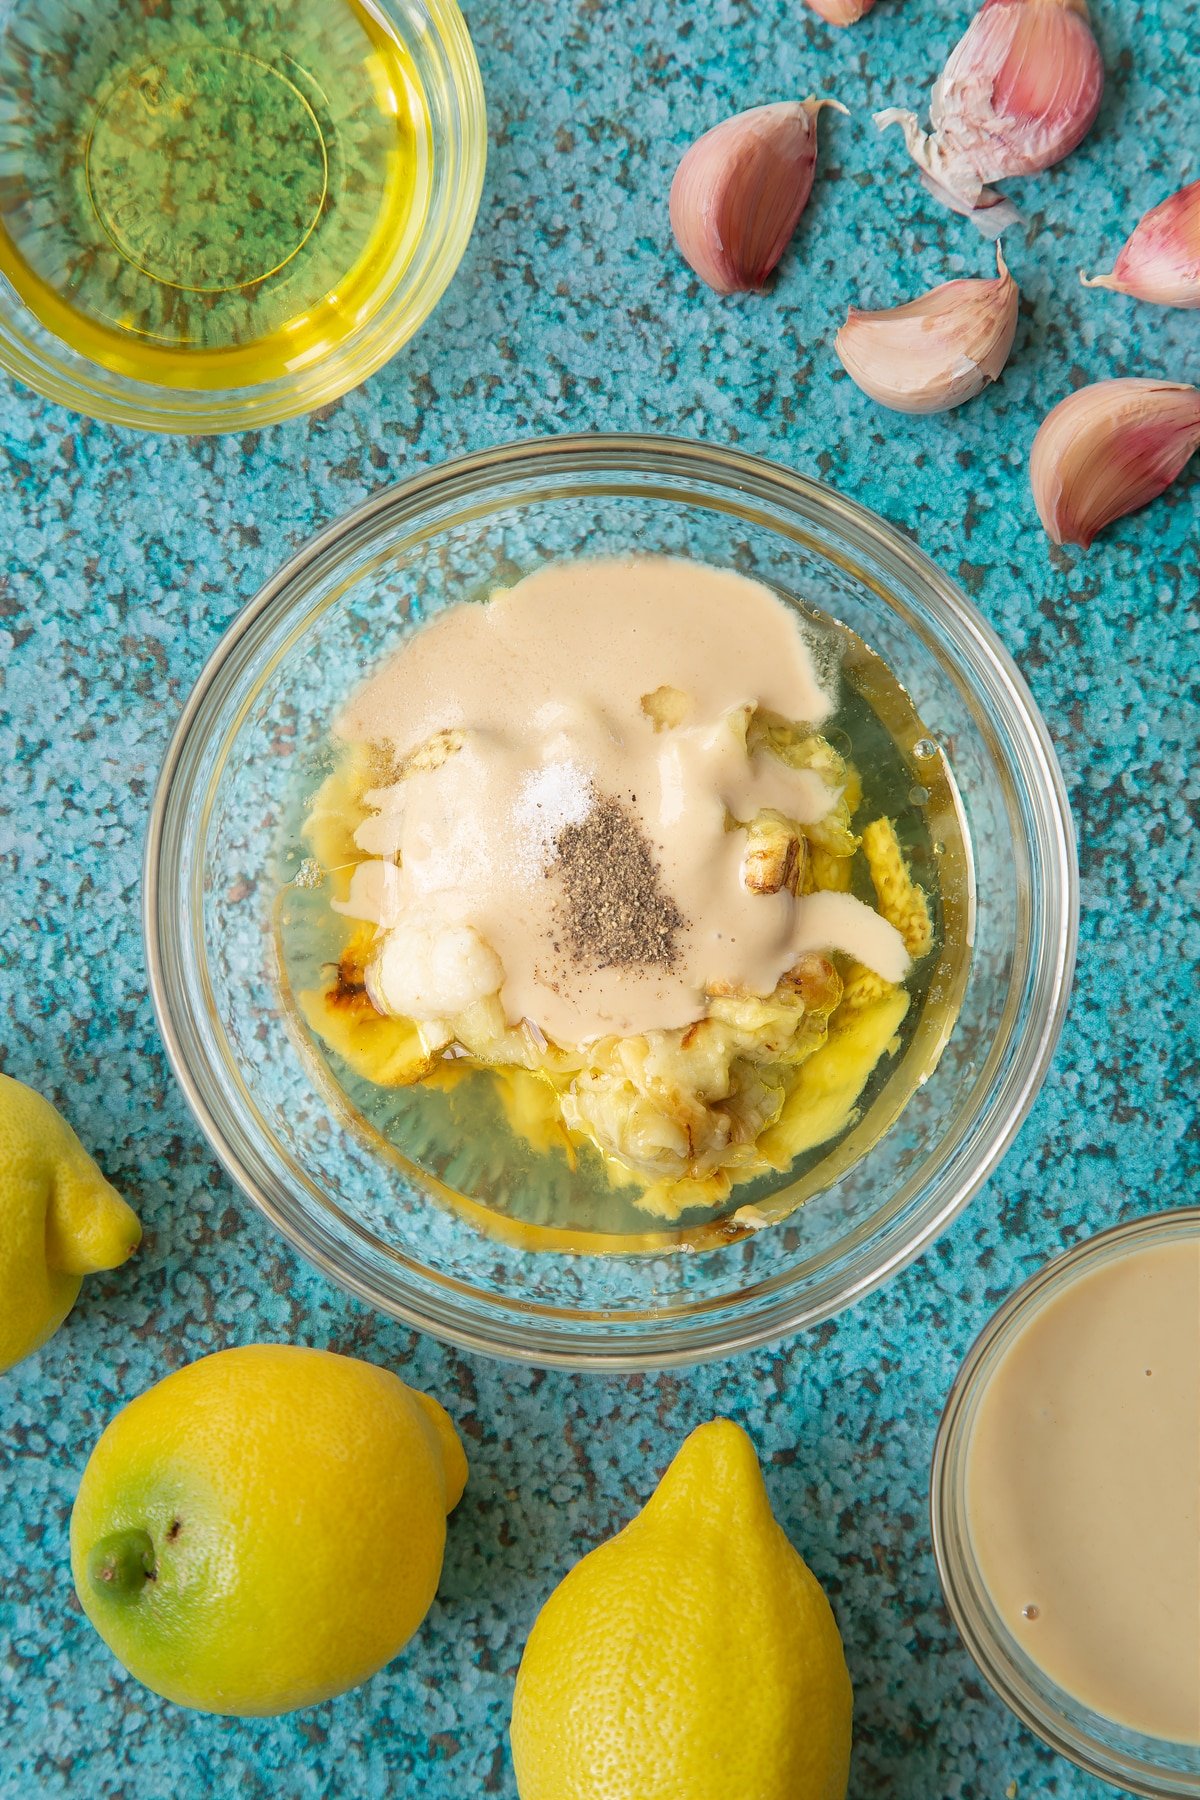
86 387
1030 1694
735 470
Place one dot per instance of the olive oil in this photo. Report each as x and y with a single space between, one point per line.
207 193
454 1135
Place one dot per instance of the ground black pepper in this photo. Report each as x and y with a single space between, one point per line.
615 911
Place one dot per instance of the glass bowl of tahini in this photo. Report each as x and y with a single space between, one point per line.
222 213
1065 1502
861 752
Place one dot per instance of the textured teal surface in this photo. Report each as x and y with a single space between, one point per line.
123 560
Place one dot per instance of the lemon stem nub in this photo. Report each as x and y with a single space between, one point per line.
122 1563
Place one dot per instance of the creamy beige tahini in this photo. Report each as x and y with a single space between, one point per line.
1083 1489
545 683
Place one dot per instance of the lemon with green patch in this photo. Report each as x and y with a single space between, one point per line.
265 1527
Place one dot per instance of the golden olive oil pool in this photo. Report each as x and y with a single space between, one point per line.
207 193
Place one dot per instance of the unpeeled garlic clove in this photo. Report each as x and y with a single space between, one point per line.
1108 449
1160 260
841 12
740 189
938 350
1021 89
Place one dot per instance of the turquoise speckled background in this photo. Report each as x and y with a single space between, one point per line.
124 558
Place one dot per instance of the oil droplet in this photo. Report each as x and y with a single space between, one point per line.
1030 1612
918 796
924 748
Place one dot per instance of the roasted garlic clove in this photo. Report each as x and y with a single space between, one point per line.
739 192
667 707
1160 260
1108 449
938 350
774 855
817 982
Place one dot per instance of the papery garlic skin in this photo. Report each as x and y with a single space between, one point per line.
1160 260
1108 449
841 12
1021 89
740 189
938 350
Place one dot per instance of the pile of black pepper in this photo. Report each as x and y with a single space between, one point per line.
615 911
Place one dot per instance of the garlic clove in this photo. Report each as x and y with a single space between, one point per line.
740 189
841 12
1021 89
1108 449
938 350
1160 260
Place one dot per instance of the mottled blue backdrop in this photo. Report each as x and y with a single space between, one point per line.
124 558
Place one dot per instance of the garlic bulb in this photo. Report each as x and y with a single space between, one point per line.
938 350
841 12
1108 449
1021 89
1160 260
739 192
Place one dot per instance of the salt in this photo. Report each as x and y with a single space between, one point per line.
548 800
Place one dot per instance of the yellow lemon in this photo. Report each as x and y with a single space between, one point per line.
59 1221
692 1657
265 1527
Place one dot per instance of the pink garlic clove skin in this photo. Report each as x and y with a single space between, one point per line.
739 192
1109 449
1021 90
1160 260
939 350
841 12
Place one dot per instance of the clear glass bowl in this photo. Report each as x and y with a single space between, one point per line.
268 696
1129 1759
436 37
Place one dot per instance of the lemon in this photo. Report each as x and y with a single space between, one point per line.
59 1221
265 1527
692 1657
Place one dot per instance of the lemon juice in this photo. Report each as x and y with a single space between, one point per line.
207 193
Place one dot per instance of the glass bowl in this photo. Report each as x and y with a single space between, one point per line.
267 697
1127 1758
451 171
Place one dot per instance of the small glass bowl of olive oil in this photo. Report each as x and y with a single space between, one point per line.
216 214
